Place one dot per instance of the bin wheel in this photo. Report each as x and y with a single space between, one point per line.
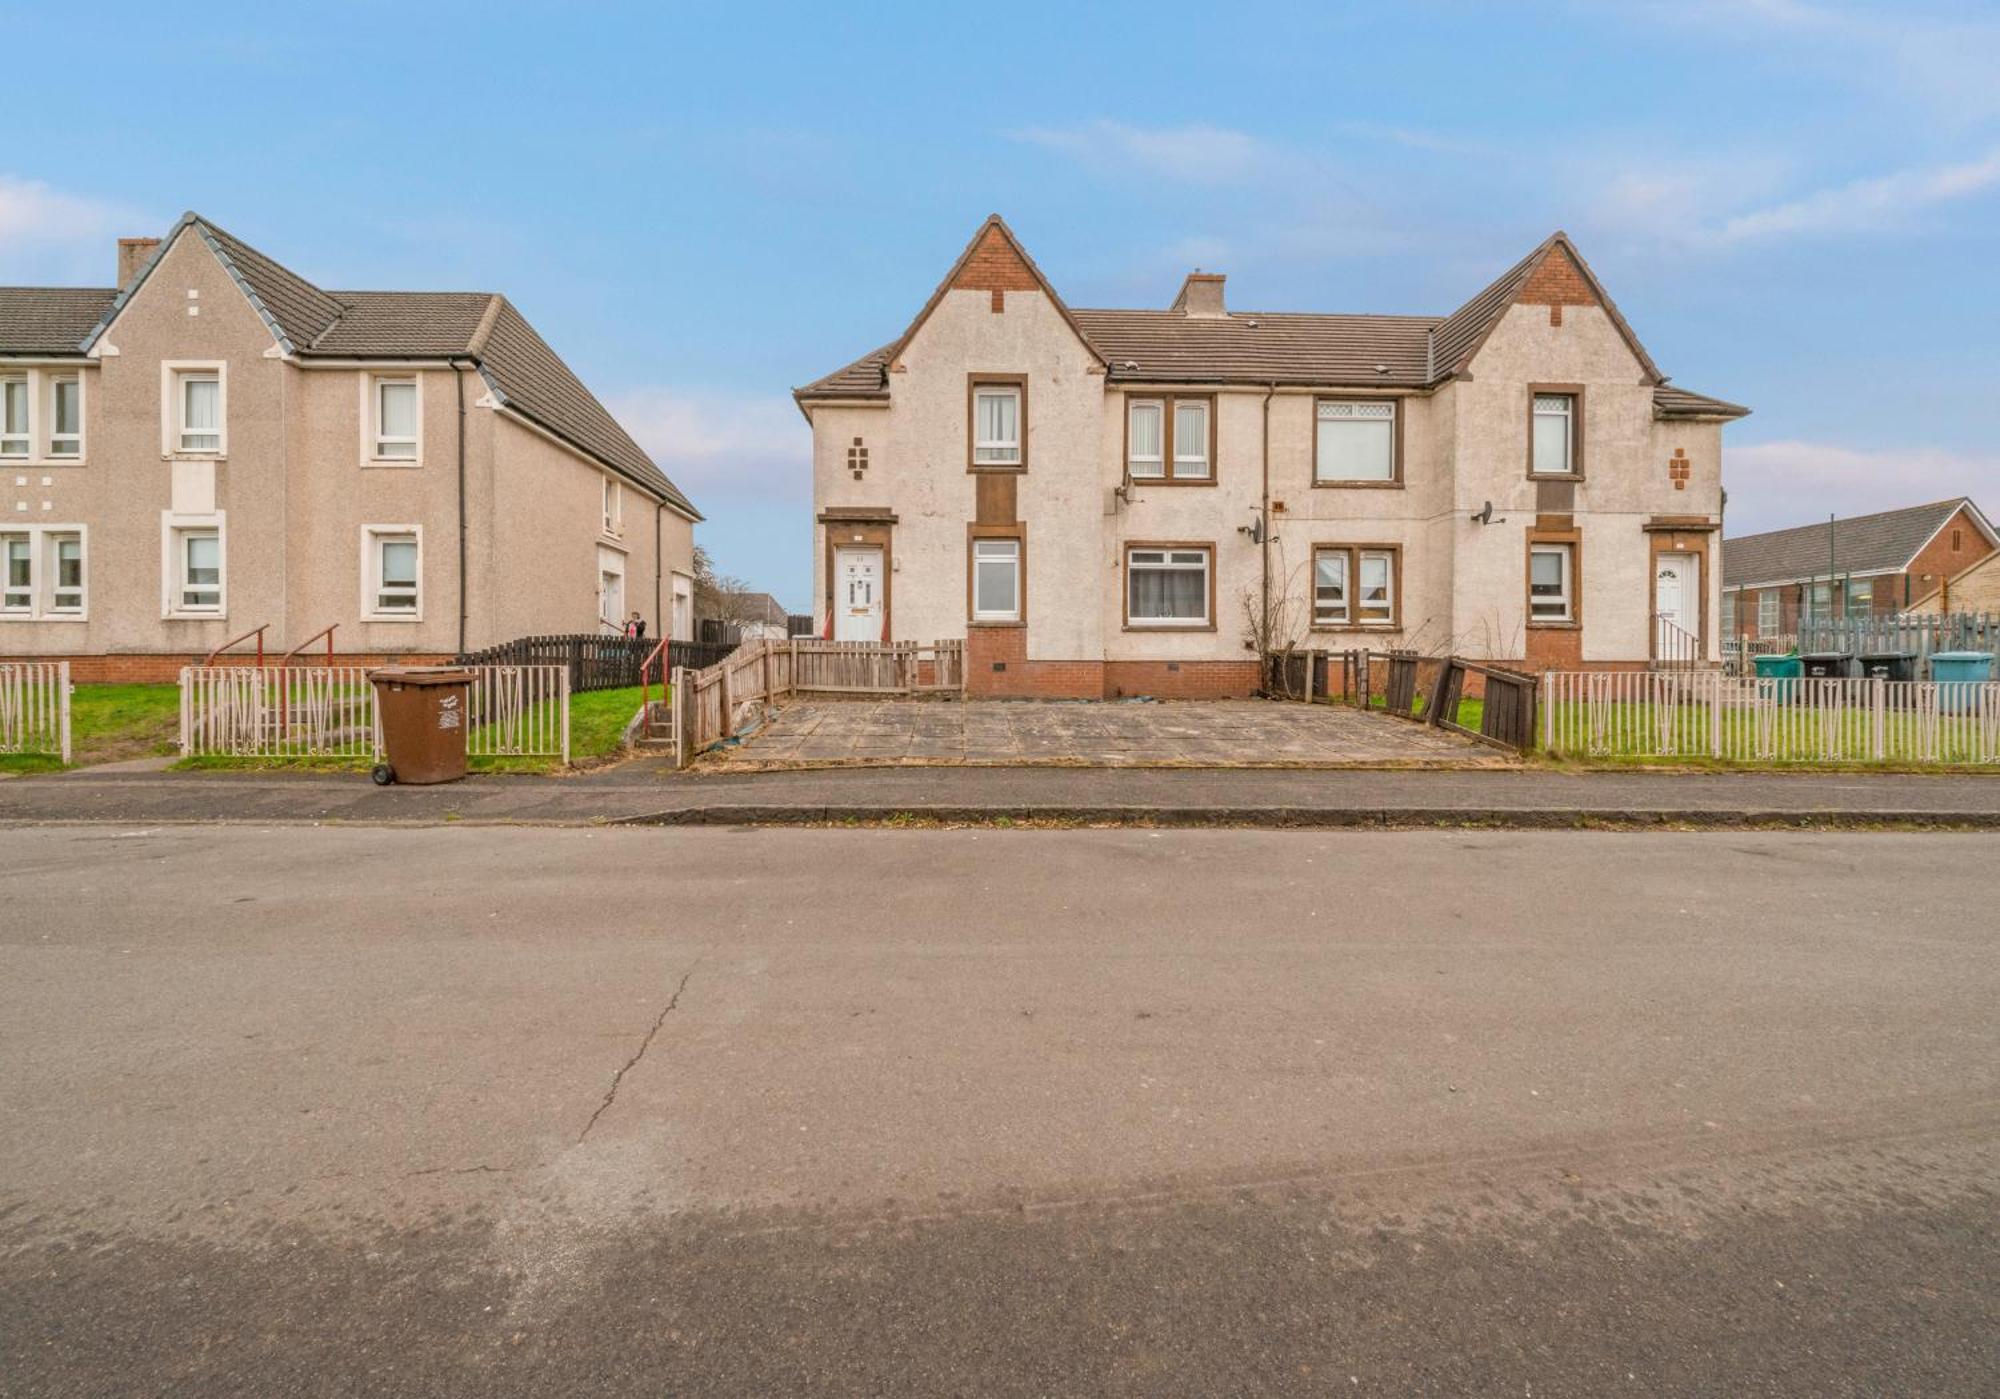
383 774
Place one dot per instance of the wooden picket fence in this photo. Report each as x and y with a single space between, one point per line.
330 712
602 662
1707 714
706 703
34 708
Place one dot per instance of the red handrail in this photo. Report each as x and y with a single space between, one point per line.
326 632
257 632
658 653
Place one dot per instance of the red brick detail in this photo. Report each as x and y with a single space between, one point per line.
1555 648
995 266
1556 282
165 670
1181 679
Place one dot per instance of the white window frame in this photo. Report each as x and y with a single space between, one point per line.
1346 615
373 537
1770 612
1177 558
53 383
42 542
1361 617
1344 410
997 550
1154 466
1565 600
26 435
1183 464
607 556
979 444
173 406
371 420
1569 415
173 565
613 492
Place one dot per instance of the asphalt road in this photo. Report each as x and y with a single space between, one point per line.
506 1112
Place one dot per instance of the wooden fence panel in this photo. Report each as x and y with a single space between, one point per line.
34 708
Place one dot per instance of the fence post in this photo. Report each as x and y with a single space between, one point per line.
62 680
728 704
1712 683
1878 726
680 715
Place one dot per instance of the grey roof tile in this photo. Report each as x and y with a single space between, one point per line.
50 320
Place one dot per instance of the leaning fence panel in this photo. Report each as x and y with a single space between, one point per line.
34 708
1783 719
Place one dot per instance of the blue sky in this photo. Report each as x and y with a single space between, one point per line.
1797 204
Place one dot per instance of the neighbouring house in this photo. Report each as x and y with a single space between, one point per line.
1111 502
218 444
1874 565
760 617
1976 589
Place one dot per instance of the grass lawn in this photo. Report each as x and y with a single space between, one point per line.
110 722
597 721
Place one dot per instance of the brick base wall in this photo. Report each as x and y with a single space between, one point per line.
153 669
1181 679
986 647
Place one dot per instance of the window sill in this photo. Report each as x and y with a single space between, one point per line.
1555 626
1173 481
390 463
71 617
1319 485
17 463
194 456
391 618
194 616
1555 475
993 625
1168 627
1369 628
986 468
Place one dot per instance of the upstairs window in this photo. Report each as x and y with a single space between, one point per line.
395 420
16 436
1552 435
996 425
66 417
1169 439
614 506
199 404
1551 568
1354 443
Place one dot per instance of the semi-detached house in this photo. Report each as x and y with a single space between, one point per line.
218 444
1115 502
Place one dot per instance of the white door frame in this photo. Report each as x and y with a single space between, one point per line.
1688 604
850 623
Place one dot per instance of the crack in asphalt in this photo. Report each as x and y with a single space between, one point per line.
611 1093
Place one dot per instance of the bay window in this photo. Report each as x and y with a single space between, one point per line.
999 413
1354 586
1551 583
1170 439
1168 586
996 580
1354 443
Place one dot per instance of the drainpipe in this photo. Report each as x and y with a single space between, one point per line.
659 563
458 387
1264 543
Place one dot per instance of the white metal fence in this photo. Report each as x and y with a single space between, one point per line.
329 712
34 707
1706 714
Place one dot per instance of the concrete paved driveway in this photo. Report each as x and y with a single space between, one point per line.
1184 733
504 1112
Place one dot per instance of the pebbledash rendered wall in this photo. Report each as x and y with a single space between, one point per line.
1463 584
293 490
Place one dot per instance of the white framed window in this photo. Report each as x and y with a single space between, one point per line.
996 580
1354 441
1553 435
395 415
1146 439
392 573
1191 439
195 570
611 588
1376 587
1167 587
42 573
1769 614
1551 583
1331 601
996 425
17 435
1860 599
614 505
1819 602
66 416
197 408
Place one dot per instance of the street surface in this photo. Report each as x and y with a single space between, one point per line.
499 1111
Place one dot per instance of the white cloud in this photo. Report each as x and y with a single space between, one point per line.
46 232
715 443
1883 201
1208 155
1773 485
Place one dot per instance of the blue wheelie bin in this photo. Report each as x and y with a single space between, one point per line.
1956 673
1784 671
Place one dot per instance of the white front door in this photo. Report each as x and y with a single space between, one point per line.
857 599
1676 605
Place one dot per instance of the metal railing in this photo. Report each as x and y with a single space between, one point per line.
1707 714
1674 646
34 708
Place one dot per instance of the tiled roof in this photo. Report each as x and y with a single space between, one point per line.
1879 543
1301 348
314 323
50 320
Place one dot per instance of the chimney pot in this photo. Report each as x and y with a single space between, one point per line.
132 255
1201 295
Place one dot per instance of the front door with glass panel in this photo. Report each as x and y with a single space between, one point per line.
1676 601
857 595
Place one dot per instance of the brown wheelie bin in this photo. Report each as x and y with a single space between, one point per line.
423 713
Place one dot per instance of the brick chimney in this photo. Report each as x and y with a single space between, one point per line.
132 255
1201 295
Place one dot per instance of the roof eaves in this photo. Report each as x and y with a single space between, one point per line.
270 319
126 293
